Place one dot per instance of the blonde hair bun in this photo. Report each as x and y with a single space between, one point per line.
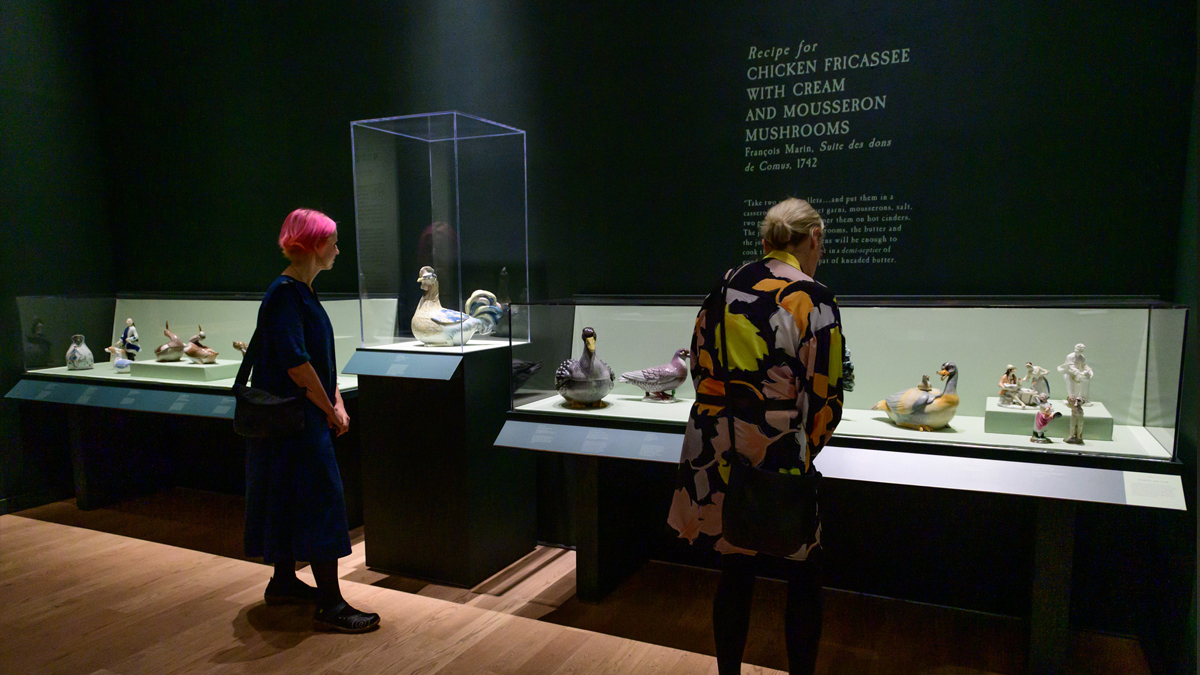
788 222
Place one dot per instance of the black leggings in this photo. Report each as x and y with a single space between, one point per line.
731 612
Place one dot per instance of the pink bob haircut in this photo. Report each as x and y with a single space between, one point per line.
303 231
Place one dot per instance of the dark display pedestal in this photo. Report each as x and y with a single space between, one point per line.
439 501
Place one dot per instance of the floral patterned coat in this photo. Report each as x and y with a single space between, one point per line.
785 375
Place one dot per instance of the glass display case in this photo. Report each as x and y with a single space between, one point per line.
1133 351
441 224
49 323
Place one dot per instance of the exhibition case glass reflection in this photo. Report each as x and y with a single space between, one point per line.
440 209
1082 376
182 340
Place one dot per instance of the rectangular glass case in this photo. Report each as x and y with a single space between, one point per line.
441 215
48 324
1134 349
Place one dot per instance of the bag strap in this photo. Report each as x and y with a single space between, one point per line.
252 350
724 360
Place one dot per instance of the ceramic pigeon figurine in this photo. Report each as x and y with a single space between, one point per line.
658 382
439 327
585 381
924 410
172 350
196 351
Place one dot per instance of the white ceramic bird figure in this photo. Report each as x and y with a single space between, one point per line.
924 410
659 381
440 327
584 382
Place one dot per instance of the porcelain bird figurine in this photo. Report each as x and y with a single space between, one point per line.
585 381
172 350
440 327
659 381
197 352
924 410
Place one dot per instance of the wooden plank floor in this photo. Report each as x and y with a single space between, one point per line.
156 585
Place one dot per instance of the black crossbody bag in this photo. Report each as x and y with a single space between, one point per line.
261 414
764 511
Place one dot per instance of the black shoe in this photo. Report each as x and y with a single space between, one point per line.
345 619
294 592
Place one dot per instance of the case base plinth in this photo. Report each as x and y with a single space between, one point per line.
184 370
998 419
440 501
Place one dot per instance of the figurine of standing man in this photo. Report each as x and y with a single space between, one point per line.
1077 374
129 340
1076 406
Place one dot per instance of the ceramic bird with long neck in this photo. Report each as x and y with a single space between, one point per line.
440 327
196 350
585 381
659 381
172 350
924 410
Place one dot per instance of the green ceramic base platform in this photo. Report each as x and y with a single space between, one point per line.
1097 422
185 371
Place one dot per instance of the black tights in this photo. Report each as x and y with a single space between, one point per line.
329 591
731 612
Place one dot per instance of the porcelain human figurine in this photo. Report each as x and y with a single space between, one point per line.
129 340
1045 414
439 327
1009 389
1076 436
924 410
79 357
196 351
172 350
1077 374
585 381
659 381
1037 384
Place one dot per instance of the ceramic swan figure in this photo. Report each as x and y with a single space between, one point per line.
440 327
924 410
585 381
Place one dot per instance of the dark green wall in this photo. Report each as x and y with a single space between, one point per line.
54 211
156 148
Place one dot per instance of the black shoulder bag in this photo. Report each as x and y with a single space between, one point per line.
764 511
261 414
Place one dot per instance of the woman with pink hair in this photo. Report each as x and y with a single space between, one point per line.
295 506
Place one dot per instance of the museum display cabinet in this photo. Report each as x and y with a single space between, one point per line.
1133 348
442 248
150 423
619 461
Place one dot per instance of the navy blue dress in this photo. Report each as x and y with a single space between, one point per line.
295 507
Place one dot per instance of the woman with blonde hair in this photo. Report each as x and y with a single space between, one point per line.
773 393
